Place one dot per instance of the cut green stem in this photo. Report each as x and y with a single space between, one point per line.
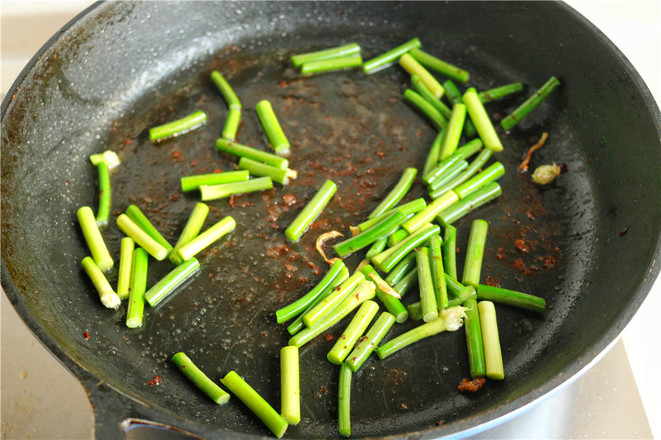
207 238
141 220
105 195
407 282
440 66
420 103
450 174
331 65
311 211
530 104
415 311
256 403
226 90
368 343
426 285
366 238
142 238
420 87
214 192
475 253
109 157
261 169
438 272
413 67
385 59
336 297
397 236
427 215
493 357
175 278
191 230
391 303
239 150
125 264
377 247
431 161
481 121
325 54
475 165
407 208
500 92
474 339
450 250
191 183
290 390
387 259
199 379
136 303
107 295
469 203
453 131
511 297
454 96
231 124
272 128
178 127
94 239
492 173
344 401
352 332
397 193
401 269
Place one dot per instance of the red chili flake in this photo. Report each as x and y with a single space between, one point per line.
127 142
329 337
232 200
217 170
323 390
404 406
530 214
380 153
491 281
155 381
522 245
550 260
471 385
175 155
174 197
518 264
86 336
283 84
500 255
291 267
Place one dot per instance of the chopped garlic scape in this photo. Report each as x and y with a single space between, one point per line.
110 299
453 317
109 157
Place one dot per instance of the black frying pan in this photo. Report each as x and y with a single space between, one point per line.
120 68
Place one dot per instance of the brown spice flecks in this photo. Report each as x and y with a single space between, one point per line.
471 386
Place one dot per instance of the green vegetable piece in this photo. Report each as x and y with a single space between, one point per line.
226 90
191 183
170 282
413 67
387 259
383 60
431 161
108 296
125 264
261 169
475 253
420 103
474 339
352 332
368 343
207 238
105 195
336 297
366 238
409 281
290 392
199 379
391 303
401 269
500 92
469 203
326 54
272 128
311 211
454 96
450 250
438 272
407 208
214 192
511 297
94 239
231 124
453 131
178 127
420 87
143 222
493 357
191 230
481 121
136 303
322 66
239 150
396 194
426 285
427 215
494 172
530 104
440 66
142 238
344 401
469 172
109 157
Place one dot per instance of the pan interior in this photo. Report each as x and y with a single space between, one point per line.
349 127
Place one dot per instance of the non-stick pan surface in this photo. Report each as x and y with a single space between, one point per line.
587 243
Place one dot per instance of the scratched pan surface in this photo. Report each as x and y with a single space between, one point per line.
587 243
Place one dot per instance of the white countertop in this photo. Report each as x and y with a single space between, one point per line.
32 378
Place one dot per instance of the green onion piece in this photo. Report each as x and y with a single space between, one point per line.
125 263
438 272
473 168
239 150
481 121
226 90
103 212
366 238
409 281
500 92
453 131
407 208
471 202
401 269
214 192
420 103
130 228
294 309
206 238
458 290
492 354
474 339
431 161
178 127
454 96
438 169
175 278
191 230
391 303
383 60
494 172
450 173
415 311
397 236
450 319
397 193
377 247
427 215
311 211
413 67
440 66
298 324
387 259
530 104
325 54
511 297
344 402
329 303
426 285
331 65
231 124
470 148
261 169
420 87
191 183
352 332
363 292
290 390
195 375
272 128
136 303
94 239
450 250
475 253
368 343
255 403
109 157
108 296
140 219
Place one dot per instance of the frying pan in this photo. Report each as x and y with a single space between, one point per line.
120 68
